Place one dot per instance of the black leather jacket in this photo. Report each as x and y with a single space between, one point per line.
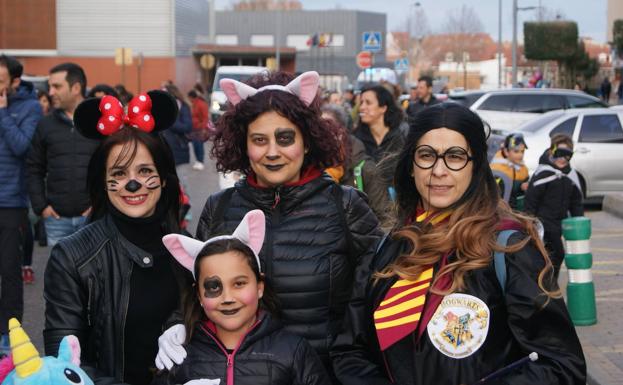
87 290
267 355
519 324
307 255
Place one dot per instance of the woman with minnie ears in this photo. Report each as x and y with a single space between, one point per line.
232 337
113 284
464 286
319 235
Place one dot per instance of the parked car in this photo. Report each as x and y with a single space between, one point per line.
218 100
597 135
507 109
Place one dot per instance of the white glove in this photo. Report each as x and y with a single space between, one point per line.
204 381
170 349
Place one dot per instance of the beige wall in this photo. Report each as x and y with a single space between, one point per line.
615 11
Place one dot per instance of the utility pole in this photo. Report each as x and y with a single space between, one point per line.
514 54
500 44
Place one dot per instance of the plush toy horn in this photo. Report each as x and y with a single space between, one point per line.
25 356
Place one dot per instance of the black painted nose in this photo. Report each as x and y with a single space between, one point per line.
133 186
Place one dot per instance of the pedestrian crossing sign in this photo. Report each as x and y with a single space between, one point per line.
372 41
401 65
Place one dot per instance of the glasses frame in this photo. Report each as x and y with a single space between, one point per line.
443 156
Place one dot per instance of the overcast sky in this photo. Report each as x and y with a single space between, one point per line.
589 14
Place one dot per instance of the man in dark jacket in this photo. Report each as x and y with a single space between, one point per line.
425 96
19 113
59 157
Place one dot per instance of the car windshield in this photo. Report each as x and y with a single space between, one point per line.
466 99
541 121
239 77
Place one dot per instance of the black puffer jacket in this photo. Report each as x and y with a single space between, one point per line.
57 166
519 322
87 291
307 256
266 356
553 201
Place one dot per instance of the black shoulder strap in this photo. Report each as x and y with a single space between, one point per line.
338 194
222 203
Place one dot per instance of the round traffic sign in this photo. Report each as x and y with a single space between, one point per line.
364 59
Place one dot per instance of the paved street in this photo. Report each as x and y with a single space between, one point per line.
602 343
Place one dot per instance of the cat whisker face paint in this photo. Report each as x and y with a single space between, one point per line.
133 187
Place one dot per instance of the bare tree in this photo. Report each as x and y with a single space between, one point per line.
463 21
549 14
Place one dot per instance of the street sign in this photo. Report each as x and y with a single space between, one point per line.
372 41
123 56
401 65
364 59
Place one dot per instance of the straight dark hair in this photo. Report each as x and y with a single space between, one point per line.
130 138
13 66
75 74
393 115
193 312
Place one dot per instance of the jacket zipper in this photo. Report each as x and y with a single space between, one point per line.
123 319
230 357
276 218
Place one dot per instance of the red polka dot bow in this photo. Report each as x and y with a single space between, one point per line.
113 117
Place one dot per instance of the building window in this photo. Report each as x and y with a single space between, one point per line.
227 39
337 41
263 40
298 41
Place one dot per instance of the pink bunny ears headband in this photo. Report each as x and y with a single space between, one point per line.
305 87
250 231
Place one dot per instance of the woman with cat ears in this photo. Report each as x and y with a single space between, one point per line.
319 235
232 336
113 284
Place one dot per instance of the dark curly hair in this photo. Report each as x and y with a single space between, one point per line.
321 136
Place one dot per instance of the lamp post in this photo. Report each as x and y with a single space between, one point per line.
516 9
500 44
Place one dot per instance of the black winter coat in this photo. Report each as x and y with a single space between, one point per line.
175 135
266 356
57 166
87 291
553 201
308 257
519 324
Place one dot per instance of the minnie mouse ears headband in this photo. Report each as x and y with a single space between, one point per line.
250 231
153 111
305 87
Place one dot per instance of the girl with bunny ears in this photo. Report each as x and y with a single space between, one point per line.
231 335
319 235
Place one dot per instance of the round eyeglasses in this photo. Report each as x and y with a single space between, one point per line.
455 158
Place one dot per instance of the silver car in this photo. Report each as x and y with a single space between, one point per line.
507 109
597 135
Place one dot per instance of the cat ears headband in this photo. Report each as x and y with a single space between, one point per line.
305 87
153 111
250 231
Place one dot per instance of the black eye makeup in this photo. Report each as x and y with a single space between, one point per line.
213 287
285 136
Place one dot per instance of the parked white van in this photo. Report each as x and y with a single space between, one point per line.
218 101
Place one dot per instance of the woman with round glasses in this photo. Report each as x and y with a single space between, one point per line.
462 288
554 191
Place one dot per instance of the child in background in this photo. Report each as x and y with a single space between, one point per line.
509 160
230 332
555 193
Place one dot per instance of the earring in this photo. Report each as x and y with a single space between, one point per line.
306 150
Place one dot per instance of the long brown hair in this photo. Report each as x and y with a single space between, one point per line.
471 230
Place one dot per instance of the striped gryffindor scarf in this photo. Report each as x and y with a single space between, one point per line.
398 315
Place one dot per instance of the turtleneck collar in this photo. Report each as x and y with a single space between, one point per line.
146 233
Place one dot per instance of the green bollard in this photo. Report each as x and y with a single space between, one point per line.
579 260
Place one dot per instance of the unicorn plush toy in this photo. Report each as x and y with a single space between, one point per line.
25 367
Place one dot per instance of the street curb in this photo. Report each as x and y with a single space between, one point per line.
613 204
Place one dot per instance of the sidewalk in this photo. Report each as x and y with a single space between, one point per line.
603 342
